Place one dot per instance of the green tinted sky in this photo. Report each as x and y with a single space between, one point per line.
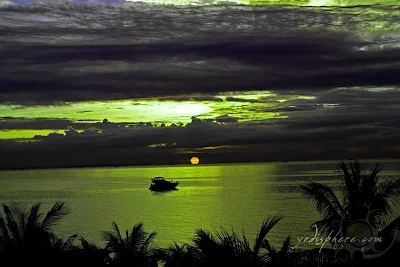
249 106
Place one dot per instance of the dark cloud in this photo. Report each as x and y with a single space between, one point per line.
226 119
345 107
52 54
309 107
10 123
277 66
382 97
22 123
138 145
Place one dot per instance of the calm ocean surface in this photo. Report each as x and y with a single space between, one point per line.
235 196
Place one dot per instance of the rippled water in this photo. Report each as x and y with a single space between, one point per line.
235 196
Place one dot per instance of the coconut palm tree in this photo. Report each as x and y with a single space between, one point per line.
135 248
178 256
85 254
227 249
281 257
363 194
25 236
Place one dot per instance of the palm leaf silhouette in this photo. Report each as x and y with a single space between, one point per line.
361 192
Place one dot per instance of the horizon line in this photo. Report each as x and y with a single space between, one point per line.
189 164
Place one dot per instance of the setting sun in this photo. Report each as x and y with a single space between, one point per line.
194 160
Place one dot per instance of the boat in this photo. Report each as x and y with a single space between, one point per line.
160 184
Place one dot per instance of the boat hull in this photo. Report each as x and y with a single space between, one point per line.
166 187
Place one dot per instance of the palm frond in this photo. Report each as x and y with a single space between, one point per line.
392 229
69 243
137 236
324 199
146 244
134 247
390 190
61 245
369 182
267 246
87 245
113 238
5 235
58 210
286 245
204 243
117 232
362 193
12 224
266 226
33 218
349 187
246 242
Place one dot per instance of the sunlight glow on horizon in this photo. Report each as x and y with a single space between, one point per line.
179 110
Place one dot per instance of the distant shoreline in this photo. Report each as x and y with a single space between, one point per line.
188 164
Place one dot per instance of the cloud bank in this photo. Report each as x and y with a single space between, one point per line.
64 53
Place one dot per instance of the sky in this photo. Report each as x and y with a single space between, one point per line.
136 83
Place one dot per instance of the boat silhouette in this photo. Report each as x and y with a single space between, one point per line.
160 184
